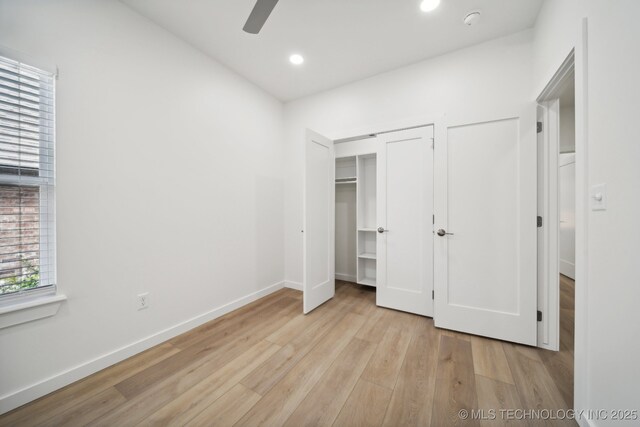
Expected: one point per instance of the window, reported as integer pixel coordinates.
(27, 180)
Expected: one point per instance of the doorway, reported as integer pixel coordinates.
(557, 225)
(557, 163)
(382, 208)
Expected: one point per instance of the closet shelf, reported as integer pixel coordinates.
(367, 255)
(367, 281)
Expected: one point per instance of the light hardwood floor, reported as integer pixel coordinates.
(348, 363)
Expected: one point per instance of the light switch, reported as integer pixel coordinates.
(598, 197)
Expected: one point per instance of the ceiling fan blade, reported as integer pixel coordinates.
(259, 15)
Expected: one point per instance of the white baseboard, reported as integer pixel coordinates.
(293, 285)
(568, 269)
(339, 276)
(585, 422)
(345, 277)
(18, 398)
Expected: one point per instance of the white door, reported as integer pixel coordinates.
(319, 221)
(405, 208)
(485, 199)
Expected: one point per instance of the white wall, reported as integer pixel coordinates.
(493, 74)
(169, 181)
(567, 128)
(346, 257)
(555, 34)
(607, 348)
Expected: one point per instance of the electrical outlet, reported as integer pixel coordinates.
(143, 301)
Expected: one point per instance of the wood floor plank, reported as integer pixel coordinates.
(323, 404)
(299, 324)
(54, 404)
(227, 410)
(494, 395)
(489, 359)
(280, 402)
(384, 366)
(262, 379)
(375, 328)
(181, 379)
(202, 350)
(87, 410)
(190, 403)
(412, 400)
(365, 299)
(365, 407)
(559, 364)
(193, 336)
(402, 320)
(330, 351)
(455, 334)
(455, 384)
(535, 386)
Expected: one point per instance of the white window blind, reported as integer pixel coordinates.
(27, 179)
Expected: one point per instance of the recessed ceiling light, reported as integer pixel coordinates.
(472, 18)
(429, 5)
(296, 59)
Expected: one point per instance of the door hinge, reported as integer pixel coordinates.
(539, 316)
(433, 294)
(433, 219)
(539, 127)
(539, 222)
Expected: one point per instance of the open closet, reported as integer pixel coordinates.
(439, 225)
(379, 212)
(356, 218)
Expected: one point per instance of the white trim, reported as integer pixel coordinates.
(376, 126)
(293, 285)
(50, 68)
(18, 398)
(345, 277)
(568, 269)
(585, 422)
(566, 159)
(562, 76)
(581, 349)
(31, 309)
(549, 279)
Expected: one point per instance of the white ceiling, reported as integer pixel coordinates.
(342, 40)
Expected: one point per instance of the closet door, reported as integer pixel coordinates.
(405, 229)
(485, 222)
(319, 221)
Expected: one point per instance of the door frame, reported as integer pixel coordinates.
(577, 60)
(549, 235)
(548, 209)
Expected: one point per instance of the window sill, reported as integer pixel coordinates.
(33, 309)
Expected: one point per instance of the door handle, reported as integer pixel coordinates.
(382, 230)
(441, 232)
